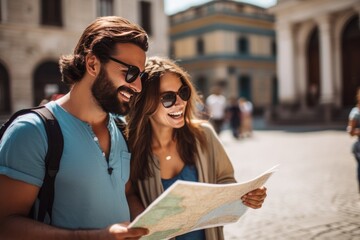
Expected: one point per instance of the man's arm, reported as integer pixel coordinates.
(351, 128)
(135, 205)
(16, 200)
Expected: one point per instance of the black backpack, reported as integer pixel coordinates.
(52, 159)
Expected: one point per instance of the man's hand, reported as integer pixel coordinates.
(255, 198)
(121, 231)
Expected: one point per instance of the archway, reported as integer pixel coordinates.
(313, 69)
(47, 81)
(5, 106)
(350, 61)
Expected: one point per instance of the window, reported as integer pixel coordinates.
(145, 14)
(105, 8)
(172, 51)
(200, 46)
(243, 45)
(273, 47)
(201, 84)
(51, 12)
(244, 86)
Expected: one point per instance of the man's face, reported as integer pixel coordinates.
(106, 94)
(110, 89)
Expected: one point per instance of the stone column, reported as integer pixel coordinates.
(327, 96)
(285, 63)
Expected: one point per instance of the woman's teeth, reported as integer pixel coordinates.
(176, 114)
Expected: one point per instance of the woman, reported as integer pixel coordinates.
(354, 130)
(168, 143)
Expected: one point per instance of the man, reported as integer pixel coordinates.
(93, 198)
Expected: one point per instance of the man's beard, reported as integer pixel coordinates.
(106, 94)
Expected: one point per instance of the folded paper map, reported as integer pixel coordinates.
(188, 206)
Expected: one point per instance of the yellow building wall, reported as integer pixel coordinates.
(223, 42)
(185, 48)
(260, 45)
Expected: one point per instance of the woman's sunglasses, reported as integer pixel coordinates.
(168, 99)
(132, 73)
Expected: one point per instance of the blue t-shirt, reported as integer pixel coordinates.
(86, 196)
(188, 173)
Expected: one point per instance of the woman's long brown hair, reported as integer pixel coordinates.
(143, 106)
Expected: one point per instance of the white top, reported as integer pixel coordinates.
(216, 105)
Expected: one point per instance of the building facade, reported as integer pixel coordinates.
(230, 44)
(318, 58)
(34, 34)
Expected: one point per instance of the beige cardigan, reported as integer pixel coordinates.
(213, 166)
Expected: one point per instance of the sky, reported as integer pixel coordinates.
(174, 6)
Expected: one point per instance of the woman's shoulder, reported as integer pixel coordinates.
(205, 126)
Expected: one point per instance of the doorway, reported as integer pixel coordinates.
(313, 72)
(350, 61)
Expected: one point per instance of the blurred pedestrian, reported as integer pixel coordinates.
(233, 115)
(353, 129)
(246, 109)
(216, 105)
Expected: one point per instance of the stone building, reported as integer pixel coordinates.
(33, 34)
(318, 43)
(227, 43)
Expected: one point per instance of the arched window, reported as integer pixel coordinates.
(47, 81)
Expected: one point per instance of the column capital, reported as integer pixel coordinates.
(323, 20)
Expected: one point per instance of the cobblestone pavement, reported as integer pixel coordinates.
(314, 193)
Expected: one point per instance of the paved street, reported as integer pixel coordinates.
(314, 193)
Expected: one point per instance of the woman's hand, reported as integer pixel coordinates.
(255, 198)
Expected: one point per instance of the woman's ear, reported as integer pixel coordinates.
(92, 64)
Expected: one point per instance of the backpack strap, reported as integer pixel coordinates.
(121, 126)
(52, 162)
(52, 158)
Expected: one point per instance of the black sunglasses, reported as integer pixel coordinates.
(132, 73)
(168, 99)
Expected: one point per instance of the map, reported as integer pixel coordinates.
(189, 206)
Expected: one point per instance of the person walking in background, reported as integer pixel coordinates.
(246, 109)
(353, 129)
(93, 198)
(169, 143)
(216, 105)
(233, 115)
